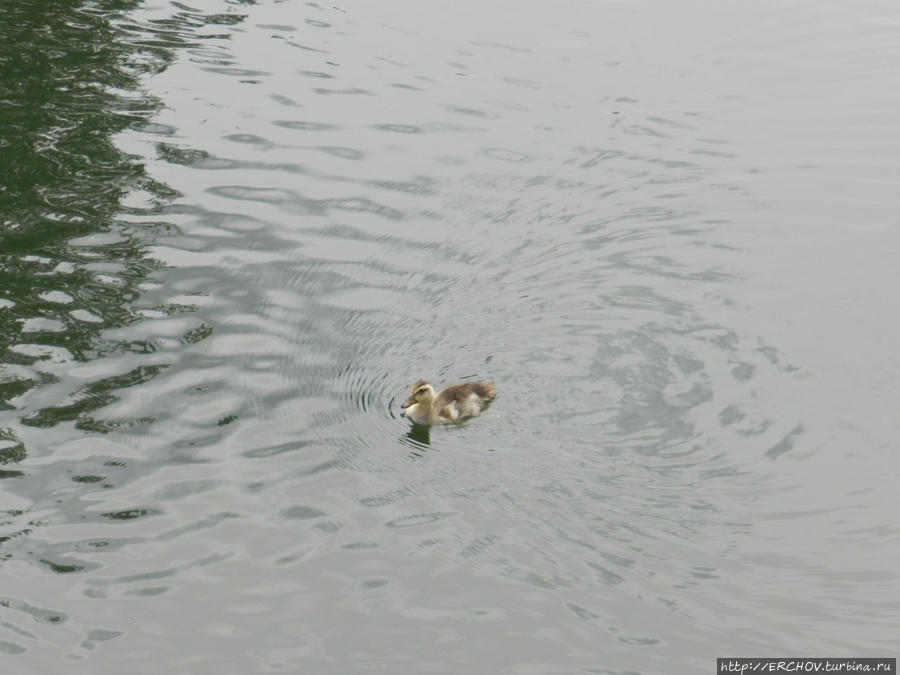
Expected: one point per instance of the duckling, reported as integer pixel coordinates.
(451, 404)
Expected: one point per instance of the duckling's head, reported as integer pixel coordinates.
(422, 392)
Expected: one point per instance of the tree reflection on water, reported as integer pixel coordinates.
(72, 241)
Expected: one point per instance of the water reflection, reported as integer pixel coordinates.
(78, 216)
(418, 438)
(70, 265)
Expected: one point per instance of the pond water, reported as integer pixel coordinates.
(232, 236)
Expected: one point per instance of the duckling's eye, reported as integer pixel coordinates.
(421, 391)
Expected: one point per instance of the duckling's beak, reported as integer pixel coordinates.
(408, 403)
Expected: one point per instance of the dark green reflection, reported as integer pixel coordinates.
(69, 264)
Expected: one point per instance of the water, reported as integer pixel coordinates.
(232, 238)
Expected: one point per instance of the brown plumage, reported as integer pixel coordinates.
(451, 404)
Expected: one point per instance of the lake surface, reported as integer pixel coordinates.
(232, 236)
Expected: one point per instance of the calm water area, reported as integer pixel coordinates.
(233, 234)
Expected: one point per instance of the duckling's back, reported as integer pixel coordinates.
(463, 391)
(464, 400)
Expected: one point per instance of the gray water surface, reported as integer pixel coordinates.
(236, 235)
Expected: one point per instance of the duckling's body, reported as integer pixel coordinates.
(450, 404)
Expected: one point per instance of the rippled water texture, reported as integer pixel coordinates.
(231, 238)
